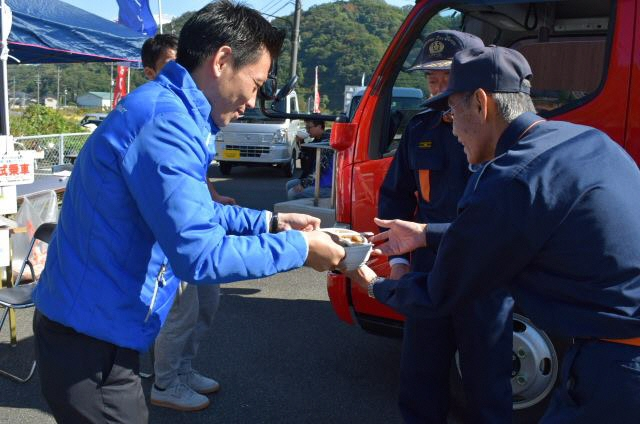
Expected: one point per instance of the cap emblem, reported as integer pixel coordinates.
(436, 47)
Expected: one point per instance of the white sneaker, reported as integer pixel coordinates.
(199, 382)
(178, 396)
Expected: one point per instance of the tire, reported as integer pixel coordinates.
(225, 168)
(290, 167)
(536, 363)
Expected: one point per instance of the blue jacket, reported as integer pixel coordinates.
(555, 217)
(426, 178)
(136, 202)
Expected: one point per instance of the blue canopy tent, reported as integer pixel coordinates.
(51, 31)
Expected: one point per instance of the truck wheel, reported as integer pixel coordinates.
(225, 168)
(536, 362)
(289, 168)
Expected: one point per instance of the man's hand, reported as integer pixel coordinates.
(362, 276)
(297, 221)
(225, 200)
(298, 188)
(398, 270)
(324, 253)
(402, 237)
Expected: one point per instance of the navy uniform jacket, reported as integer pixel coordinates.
(427, 176)
(556, 216)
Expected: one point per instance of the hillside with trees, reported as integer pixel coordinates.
(345, 39)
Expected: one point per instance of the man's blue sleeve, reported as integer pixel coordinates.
(492, 239)
(164, 171)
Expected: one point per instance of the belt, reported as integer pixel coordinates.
(631, 342)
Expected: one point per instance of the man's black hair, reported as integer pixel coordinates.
(227, 23)
(155, 46)
(315, 123)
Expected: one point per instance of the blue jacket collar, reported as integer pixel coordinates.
(510, 136)
(515, 131)
(178, 79)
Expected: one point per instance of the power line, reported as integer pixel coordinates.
(276, 4)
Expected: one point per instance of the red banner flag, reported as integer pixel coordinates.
(316, 95)
(120, 89)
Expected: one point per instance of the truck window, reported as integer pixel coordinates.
(565, 41)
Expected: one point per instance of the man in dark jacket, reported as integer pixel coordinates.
(304, 186)
(424, 183)
(551, 211)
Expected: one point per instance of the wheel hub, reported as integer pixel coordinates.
(535, 364)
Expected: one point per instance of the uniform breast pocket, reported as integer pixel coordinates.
(426, 161)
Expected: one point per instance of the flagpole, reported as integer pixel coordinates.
(160, 15)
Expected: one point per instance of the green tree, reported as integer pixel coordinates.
(38, 119)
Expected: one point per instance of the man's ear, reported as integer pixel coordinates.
(480, 103)
(221, 59)
(149, 73)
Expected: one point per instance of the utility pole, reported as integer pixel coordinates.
(160, 16)
(58, 90)
(38, 85)
(295, 37)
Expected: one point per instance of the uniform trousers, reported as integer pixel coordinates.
(599, 383)
(86, 380)
(482, 332)
(188, 322)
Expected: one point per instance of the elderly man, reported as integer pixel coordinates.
(430, 163)
(551, 211)
(137, 211)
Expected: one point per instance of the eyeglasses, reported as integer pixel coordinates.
(452, 108)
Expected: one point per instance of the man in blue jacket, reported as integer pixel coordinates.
(137, 212)
(424, 183)
(552, 212)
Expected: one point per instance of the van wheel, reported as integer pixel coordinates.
(536, 363)
(290, 167)
(225, 168)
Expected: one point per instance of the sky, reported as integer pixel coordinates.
(173, 8)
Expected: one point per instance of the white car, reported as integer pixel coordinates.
(256, 140)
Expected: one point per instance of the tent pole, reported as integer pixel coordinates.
(4, 83)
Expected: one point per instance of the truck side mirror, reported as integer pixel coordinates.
(342, 133)
(287, 89)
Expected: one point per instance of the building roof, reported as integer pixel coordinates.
(104, 95)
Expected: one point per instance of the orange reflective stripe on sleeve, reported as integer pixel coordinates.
(425, 183)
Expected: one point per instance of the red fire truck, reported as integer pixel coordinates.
(585, 56)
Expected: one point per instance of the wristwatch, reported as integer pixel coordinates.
(273, 224)
(370, 286)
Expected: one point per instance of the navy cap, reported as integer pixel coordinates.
(494, 69)
(440, 47)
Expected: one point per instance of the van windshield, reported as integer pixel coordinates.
(255, 116)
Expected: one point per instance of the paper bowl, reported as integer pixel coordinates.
(356, 247)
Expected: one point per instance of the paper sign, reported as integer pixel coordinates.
(5, 256)
(17, 167)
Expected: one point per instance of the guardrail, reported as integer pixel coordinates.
(57, 148)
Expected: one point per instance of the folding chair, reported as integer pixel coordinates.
(19, 296)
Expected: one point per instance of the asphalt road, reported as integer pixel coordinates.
(277, 349)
